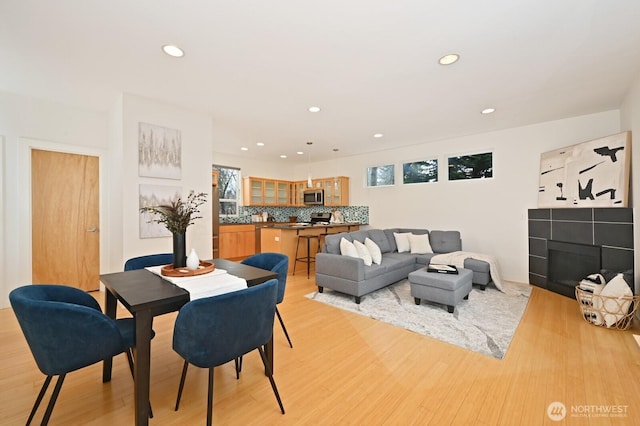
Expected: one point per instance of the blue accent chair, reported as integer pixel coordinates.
(212, 331)
(278, 263)
(66, 331)
(142, 262)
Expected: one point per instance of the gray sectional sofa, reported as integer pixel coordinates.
(351, 276)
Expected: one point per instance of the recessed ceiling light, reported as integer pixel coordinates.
(283, 156)
(378, 135)
(260, 143)
(244, 148)
(336, 149)
(299, 152)
(172, 50)
(314, 109)
(488, 111)
(449, 59)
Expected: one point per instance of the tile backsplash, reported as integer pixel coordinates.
(358, 214)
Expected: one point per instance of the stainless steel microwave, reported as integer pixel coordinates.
(313, 197)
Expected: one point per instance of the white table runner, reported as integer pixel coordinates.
(219, 281)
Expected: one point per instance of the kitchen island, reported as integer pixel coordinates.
(283, 238)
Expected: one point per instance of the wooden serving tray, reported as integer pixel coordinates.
(204, 268)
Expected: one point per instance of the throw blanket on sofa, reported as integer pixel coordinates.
(457, 258)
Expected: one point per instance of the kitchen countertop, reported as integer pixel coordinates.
(298, 226)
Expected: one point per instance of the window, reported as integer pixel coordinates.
(380, 175)
(228, 190)
(476, 166)
(420, 172)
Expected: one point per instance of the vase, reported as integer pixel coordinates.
(192, 260)
(179, 250)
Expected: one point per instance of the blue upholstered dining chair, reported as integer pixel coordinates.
(66, 331)
(212, 331)
(278, 263)
(142, 262)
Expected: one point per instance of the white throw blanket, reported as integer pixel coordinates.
(457, 258)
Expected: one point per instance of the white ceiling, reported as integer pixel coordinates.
(372, 66)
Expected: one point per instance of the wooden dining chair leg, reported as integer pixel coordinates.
(184, 376)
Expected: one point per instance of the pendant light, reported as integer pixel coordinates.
(309, 182)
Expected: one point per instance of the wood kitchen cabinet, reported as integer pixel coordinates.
(336, 190)
(237, 241)
(265, 192)
(271, 192)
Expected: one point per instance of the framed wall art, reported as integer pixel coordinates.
(155, 195)
(159, 152)
(588, 174)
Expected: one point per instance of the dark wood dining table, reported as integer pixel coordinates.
(147, 295)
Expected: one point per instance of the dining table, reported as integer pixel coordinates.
(145, 295)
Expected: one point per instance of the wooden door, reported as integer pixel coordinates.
(64, 219)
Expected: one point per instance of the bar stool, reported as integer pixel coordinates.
(308, 258)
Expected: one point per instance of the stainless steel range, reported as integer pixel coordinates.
(320, 219)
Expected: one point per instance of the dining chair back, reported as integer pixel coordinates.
(278, 263)
(66, 330)
(146, 261)
(211, 331)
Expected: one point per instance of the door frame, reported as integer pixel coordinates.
(24, 186)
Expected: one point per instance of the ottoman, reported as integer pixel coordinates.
(447, 289)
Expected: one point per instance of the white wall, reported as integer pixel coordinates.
(630, 120)
(490, 214)
(196, 133)
(27, 122)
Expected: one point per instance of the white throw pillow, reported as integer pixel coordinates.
(615, 309)
(374, 250)
(420, 244)
(363, 252)
(402, 241)
(347, 248)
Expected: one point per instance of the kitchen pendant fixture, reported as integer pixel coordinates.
(309, 181)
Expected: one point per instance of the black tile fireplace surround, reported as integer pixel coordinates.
(563, 243)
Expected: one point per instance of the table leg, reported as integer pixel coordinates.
(142, 366)
(268, 351)
(110, 303)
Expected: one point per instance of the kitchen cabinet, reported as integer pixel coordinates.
(253, 192)
(237, 241)
(281, 193)
(336, 190)
(265, 192)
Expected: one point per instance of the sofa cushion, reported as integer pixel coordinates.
(379, 237)
(374, 250)
(402, 242)
(397, 260)
(347, 248)
(363, 252)
(332, 242)
(445, 241)
(420, 244)
(358, 235)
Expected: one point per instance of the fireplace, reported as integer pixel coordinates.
(566, 245)
(568, 263)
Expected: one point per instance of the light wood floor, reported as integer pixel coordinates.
(347, 369)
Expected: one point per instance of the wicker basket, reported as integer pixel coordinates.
(609, 312)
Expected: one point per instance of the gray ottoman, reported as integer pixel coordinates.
(447, 289)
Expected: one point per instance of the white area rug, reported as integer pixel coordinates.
(484, 323)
